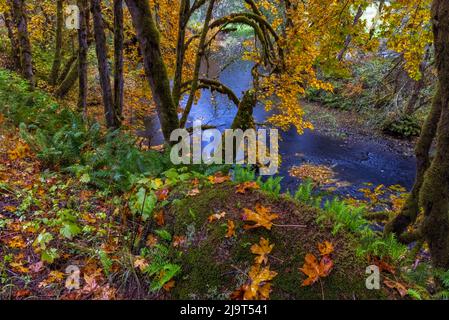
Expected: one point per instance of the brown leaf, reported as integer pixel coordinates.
(162, 194)
(159, 217)
(178, 241)
(169, 285)
(218, 179)
(396, 285)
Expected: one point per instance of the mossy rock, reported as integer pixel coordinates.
(213, 266)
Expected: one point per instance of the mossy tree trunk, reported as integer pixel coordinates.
(83, 48)
(13, 39)
(180, 49)
(244, 119)
(198, 60)
(434, 195)
(155, 69)
(24, 40)
(68, 82)
(411, 209)
(118, 59)
(103, 66)
(53, 78)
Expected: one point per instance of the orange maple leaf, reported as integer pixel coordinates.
(169, 285)
(263, 249)
(259, 288)
(261, 216)
(314, 270)
(218, 178)
(249, 185)
(325, 248)
(231, 229)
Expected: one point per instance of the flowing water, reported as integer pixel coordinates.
(354, 162)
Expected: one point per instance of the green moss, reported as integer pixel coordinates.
(213, 264)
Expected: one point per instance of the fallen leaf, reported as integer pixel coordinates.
(21, 151)
(261, 216)
(159, 217)
(382, 265)
(140, 263)
(244, 187)
(218, 179)
(193, 192)
(178, 241)
(216, 217)
(231, 229)
(257, 289)
(169, 285)
(263, 249)
(325, 248)
(162, 194)
(314, 270)
(22, 293)
(396, 285)
(36, 267)
(151, 241)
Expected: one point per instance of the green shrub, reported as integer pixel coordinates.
(406, 126)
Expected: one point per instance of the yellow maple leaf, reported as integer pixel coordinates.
(325, 248)
(261, 216)
(244, 187)
(314, 270)
(258, 288)
(263, 249)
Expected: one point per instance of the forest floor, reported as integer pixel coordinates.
(179, 235)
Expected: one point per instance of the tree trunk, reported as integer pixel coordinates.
(24, 40)
(155, 70)
(58, 50)
(348, 39)
(83, 48)
(180, 50)
(103, 66)
(199, 58)
(12, 38)
(244, 119)
(118, 59)
(411, 209)
(68, 82)
(68, 65)
(434, 195)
